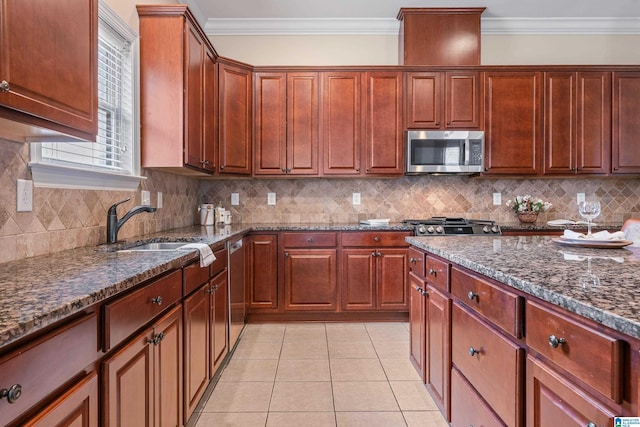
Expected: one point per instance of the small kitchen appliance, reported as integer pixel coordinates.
(444, 226)
(444, 152)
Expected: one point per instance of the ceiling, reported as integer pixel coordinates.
(379, 16)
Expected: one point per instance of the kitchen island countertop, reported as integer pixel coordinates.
(552, 272)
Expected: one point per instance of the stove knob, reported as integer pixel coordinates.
(421, 229)
(430, 229)
(485, 229)
(438, 229)
(495, 229)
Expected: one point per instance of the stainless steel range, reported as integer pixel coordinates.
(443, 226)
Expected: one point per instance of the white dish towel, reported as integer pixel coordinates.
(206, 254)
(600, 235)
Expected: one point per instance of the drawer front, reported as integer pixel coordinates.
(493, 364)
(500, 306)
(40, 367)
(194, 276)
(590, 355)
(220, 263)
(375, 238)
(437, 272)
(309, 240)
(132, 311)
(467, 408)
(416, 262)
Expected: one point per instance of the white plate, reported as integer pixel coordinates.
(601, 244)
(585, 240)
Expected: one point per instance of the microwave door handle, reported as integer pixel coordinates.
(467, 152)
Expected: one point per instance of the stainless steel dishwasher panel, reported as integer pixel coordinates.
(237, 306)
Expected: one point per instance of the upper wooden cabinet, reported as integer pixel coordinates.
(286, 123)
(439, 36)
(577, 110)
(235, 117)
(443, 100)
(177, 79)
(513, 122)
(48, 67)
(625, 153)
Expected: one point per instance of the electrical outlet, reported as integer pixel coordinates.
(356, 199)
(145, 198)
(235, 199)
(271, 199)
(24, 195)
(580, 198)
(497, 199)
(159, 202)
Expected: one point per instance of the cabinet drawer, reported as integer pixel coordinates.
(374, 238)
(220, 263)
(500, 306)
(590, 355)
(132, 311)
(467, 408)
(40, 367)
(194, 276)
(437, 272)
(416, 262)
(493, 364)
(309, 240)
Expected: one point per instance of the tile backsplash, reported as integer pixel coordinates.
(64, 219)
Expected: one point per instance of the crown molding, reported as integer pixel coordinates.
(391, 26)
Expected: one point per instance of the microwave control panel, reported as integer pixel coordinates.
(475, 152)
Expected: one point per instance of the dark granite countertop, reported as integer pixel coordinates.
(553, 272)
(544, 227)
(36, 292)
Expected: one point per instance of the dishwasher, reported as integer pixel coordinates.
(237, 305)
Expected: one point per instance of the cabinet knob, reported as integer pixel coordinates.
(437, 123)
(432, 272)
(156, 300)
(221, 167)
(310, 240)
(418, 288)
(14, 392)
(288, 170)
(555, 341)
(155, 340)
(412, 260)
(424, 292)
(373, 253)
(378, 254)
(286, 254)
(616, 168)
(591, 424)
(4, 86)
(473, 351)
(284, 170)
(472, 295)
(376, 239)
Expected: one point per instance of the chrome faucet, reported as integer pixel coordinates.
(114, 224)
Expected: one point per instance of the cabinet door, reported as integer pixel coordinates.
(219, 318)
(194, 97)
(234, 119)
(467, 408)
(462, 100)
(358, 277)
(560, 123)
(341, 125)
(196, 348)
(513, 122)
(593, 113)
(552, 400)
(210, 136)
(423, 99)
(625, 156)
(62, 39)
(168, 370)
(310, 279)
(262, 271)
(303, 123)
(270, 123)
(417, 323)
(383, 122)
(391, 279)
(438, 349)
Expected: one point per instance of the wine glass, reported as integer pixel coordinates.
(589, 210)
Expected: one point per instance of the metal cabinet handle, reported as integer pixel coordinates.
(555, 341)
(378, 254)
(473, 351)
(221, 167)
(157, 300)
(13, 393)
(425, 292)
(432, 272)
(288, 170)
(309, 240)
(373, 253)
(418, 288)
(157, 338)
(284, 170)
(412, 260)
(471, 295)
(591, 424)
(4, 86)
(376, 239)
(286, 254)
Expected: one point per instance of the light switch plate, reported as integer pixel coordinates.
(579, 198)
(159, 203)
(235, 199)
(24, 191)
(356, 199)
(497, 199)
(271, 199)
(145, 198)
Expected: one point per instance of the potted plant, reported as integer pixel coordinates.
(527, 207)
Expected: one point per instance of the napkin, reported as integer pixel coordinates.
(600, 235)
(206, 254)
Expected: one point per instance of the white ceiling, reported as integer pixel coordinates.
(379, 16)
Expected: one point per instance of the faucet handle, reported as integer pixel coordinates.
(112, 209)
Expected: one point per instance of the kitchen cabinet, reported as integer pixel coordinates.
(142, 381)
(513, 122)
(219, 320)
(467, 408)
(417, 323)
(443, 100)
(373, 271)
(61, 93)
(286, 123)
(625, 151)
(577, 122)
(437, 350)
(235, 117)
(262, 272)
(177, 91)
(384, 130)
(341, 133)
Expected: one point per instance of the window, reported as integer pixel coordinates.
(110, 162)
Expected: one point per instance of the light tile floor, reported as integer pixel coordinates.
(321, 374)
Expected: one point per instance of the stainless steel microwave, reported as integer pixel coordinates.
(435, 152)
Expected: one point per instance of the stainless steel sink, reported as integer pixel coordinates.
(156, 246)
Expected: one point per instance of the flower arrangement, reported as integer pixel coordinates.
(523, 204)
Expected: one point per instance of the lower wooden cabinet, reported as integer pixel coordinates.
(142, 382)
(218, 320)
(310, 279)
(196, 348)
(262, 271)
(417, 323)
(467, 408)
(438, 350)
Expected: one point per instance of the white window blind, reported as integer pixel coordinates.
(114, 151)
